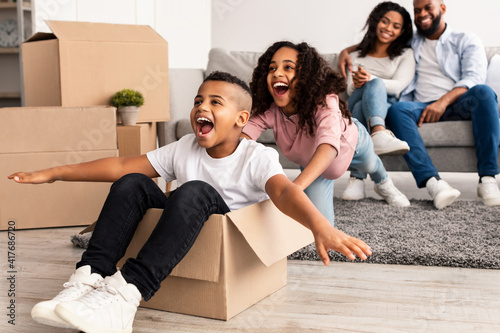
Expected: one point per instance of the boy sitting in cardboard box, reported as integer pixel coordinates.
(217, 172)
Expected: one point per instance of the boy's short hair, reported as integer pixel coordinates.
(246, 102)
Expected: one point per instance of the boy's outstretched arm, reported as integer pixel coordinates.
(103, 170)
(292, 201)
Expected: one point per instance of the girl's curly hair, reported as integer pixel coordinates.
(399, 44)
(315, 80)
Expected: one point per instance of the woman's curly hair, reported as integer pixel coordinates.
(315, 80)
(399, 44)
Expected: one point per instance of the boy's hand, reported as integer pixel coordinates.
(36, 177)
(331, 238)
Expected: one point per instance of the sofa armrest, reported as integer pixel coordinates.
(184, 84)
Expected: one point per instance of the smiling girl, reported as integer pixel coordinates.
(295, 93)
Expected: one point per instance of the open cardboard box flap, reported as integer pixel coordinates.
(100, 32)
(271, 234)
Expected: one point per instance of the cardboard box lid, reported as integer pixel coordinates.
(54, 129)
(99, 32)
(270, 233)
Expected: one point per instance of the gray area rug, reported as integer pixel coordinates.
(465, 234)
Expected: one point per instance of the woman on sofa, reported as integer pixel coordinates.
(383, 65)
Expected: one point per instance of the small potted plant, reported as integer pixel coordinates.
(127, 102)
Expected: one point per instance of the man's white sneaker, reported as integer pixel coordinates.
(385, 143)
(110, 308)
(488, 192)
(355, 189)
(441, 192)
(391, 194)
(79, 284)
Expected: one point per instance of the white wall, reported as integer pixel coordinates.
(185, 24)
(329, 25)
(192, 27)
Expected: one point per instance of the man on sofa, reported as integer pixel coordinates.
(448, 85)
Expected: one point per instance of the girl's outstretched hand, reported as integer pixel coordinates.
(36, 177)
(329, 237)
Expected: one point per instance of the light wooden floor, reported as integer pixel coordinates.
(343, 297)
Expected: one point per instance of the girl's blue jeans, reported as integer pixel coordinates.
(478, 104)
(369, 104)
(185, 211)
(320, 192)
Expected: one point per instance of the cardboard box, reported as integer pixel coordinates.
(237, 260)
(84, 64)
(39, 138)
(136, 140)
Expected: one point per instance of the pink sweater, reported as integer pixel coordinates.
(298, 146)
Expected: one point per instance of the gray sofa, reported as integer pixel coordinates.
(450, 144)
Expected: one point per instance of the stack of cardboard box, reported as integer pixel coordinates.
(43, 137)
(84, 64)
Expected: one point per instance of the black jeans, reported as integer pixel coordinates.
(185, 211)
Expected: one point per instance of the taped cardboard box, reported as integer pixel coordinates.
(84, 64)
(40, 138)
(137, 139)
(237, 260)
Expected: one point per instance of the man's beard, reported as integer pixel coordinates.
(432, 29)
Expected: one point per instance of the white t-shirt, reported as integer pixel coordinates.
(431, 83)
(239, 178)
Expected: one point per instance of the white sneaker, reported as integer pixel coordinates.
(391, 194)
(488, 192)
(79, 284)
(441, 192)
(355, 189)
(385, 143)
(110, 308)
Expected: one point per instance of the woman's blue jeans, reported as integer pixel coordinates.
(478, 104)
(369, 105)
(320, 192)
(185, 211)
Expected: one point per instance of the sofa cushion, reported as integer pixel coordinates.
(242, 64)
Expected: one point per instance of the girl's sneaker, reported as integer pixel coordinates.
(355, 189)
(79, 284)
(391, 194)
(111, 307)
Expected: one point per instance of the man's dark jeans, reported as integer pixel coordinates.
(185, 211)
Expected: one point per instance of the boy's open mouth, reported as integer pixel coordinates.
(280, 88)
(204, 126)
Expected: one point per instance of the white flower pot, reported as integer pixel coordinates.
(128, 114)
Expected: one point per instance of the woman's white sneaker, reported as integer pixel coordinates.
(441, 192)
(385, 143)
(79, 284)
(355, 189)
(391, 194)
(488, 192)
